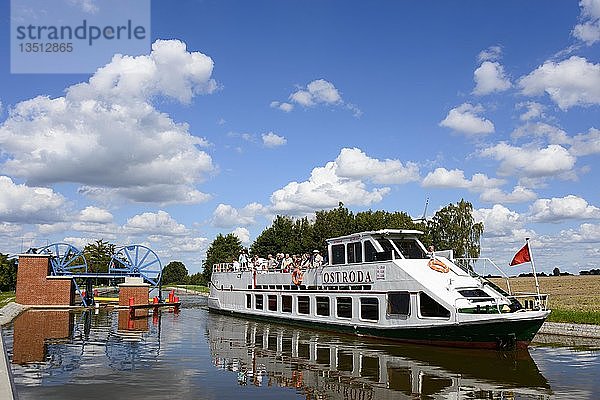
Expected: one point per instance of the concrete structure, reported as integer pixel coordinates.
(35, 285)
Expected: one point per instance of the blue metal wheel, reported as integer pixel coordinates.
(137, 260)
(65, 258)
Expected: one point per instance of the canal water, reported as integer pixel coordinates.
(198, 355)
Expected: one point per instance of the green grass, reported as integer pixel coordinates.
(197, 288)
(575, 317)
(6, 297)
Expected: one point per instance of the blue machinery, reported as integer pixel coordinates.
(128, 261)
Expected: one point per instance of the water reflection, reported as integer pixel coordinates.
(319, 365)
(52, 343)
(197, 355)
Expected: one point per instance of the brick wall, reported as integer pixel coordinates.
(35, 287)
(139, 292)
(31, 330)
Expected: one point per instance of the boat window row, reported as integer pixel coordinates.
(398, 305)
(365, 251)
(310, 287)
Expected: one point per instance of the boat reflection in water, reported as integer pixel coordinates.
(324, 366)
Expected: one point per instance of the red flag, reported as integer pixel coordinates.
(522, 256)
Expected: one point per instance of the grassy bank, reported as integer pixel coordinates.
(196, 288)
(6, 297)
(572, 299)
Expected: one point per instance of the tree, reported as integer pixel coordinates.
(196, 279)
(98, 255)
(223, 249)
(174, 272)
(8, 273)
(556, 271)
(333, 223)
(453, 227)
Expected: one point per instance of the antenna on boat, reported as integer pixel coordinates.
(424, 217)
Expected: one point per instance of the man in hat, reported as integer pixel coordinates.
(317, 259)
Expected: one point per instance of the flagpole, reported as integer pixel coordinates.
(537, 285)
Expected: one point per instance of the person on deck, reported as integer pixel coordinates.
(317, 259)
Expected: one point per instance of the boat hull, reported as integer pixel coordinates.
(493, 334)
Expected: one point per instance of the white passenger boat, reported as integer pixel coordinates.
(384, 284)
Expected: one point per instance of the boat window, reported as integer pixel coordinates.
(369, 308)
(370, 252)
(338, 255)
(431, 308)
(248, 301)
(259, 302)
(303, 305)
(398, 304)
(354, 252)
(286, 304)
(473, 293)
(323, 306)
(344, 307)
(388, 252)
(410, 248)
(272, 302)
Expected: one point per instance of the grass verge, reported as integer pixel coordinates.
(197, 288)
(575, 317)
(6, 297)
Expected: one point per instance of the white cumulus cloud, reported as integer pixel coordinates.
(585, 144)
(95, 214)
(498, 220)
(489, 78)
(227, 216)
(354, 163)
(243, 234)
(106, 135)
(563, 208)
(30, 205)
(519, 194)
(317, 92)
(271, 139)
(159, 223)
(455, 178)
(588, 30)
(466, 119)
(531, 162)
(572, 82)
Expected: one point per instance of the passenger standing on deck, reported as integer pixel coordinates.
(243, 259)
(317, 259)
(288, 263)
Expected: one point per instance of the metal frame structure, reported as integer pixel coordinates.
(132, 260)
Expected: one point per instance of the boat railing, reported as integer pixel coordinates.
(223, 267)
(496, 305)
(531, 301)
(473, 305)
(466, 264)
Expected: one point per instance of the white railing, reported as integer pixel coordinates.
(528, 301)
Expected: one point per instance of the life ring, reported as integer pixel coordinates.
(297, 276)
(438, 266)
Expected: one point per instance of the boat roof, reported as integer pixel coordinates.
(381, 232)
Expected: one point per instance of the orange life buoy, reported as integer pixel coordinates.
(438, 266)
(297, 276)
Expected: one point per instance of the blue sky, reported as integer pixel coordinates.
(244, 110)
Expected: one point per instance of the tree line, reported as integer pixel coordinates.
(452, 227)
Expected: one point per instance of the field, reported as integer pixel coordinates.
(571, 298)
